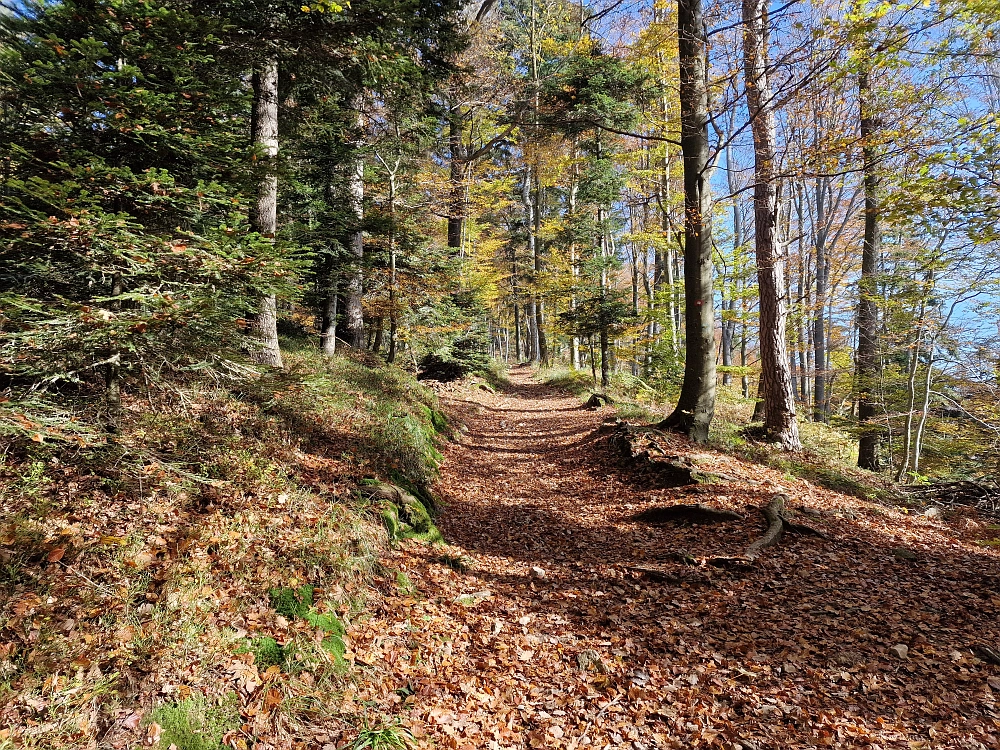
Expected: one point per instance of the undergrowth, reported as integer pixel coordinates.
(828, 457)
(215, 541)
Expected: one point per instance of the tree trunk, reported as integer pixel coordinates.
(574, 342)
(379, 335)
(456, 207)
(393, 312)
(867, 358)
(696, 405)
(328, 330)
(541, 345)
(354, 323)
(728, 298)
(820, 411)
(112, 370)
(593, 359)
(911, 386)
(531, 316)
(918, 439)
(779, 395)
(605, 357)
(264, 212)
(758, 404)
(517, 331)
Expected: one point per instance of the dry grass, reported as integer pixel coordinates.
(135, 577)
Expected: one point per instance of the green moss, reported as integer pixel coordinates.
(419, 490)
(417, 522)
(404, 584)
(390, 518)
(413, 513)
(195, 724)
(291, 603)
(328, 623)
(410, 520)
(439, 421)
(266, 651)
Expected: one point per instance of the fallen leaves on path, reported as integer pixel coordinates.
(550, 635)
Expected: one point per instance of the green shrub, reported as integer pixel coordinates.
(386, 737)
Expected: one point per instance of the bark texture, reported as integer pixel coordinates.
(870, 439)
(264, 212)
(696, 405)
(354, 321)
(779, 393)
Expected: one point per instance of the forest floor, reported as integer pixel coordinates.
(533, 628)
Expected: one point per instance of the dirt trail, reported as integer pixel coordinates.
(489, 653)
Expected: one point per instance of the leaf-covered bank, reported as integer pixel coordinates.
(191, 580)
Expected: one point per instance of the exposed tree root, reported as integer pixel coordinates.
(663, 576)
(987, 654)
(777, 525)
(597, 400)
(698, 514)
(639, 445)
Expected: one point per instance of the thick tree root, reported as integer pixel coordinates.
(697, 514)
(777, 525)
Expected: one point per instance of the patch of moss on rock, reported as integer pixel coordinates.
(419, 490)
(404, 516)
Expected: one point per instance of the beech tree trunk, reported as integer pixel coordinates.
(354, 321)
(696, 405)
(820, 411)
(867, 360)
(264, 212)
(515, 299)
(541, 345)
(779, 393)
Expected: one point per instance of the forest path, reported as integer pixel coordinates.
(795, 652)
